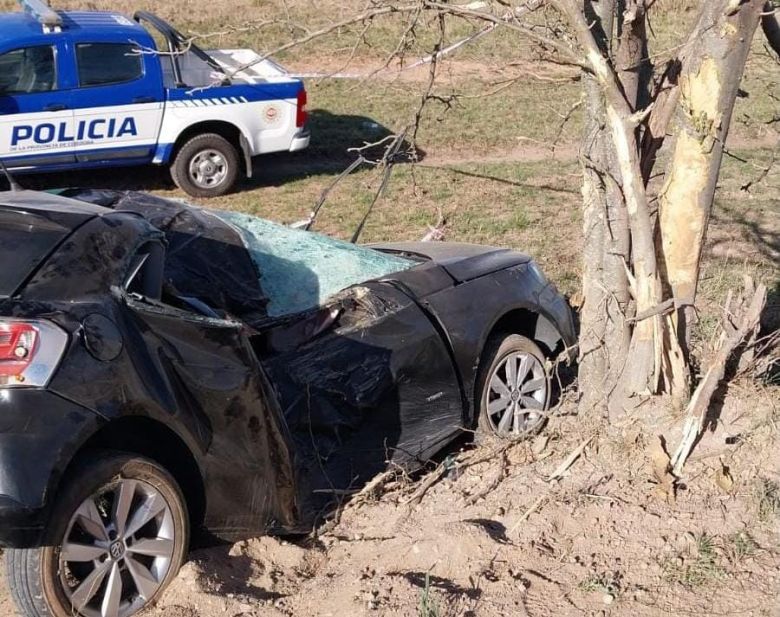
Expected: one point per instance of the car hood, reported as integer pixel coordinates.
(463, 262)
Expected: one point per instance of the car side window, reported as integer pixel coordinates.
(145, 274)
(101, 64)
(28, 70)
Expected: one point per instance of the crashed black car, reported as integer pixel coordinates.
(165, 368)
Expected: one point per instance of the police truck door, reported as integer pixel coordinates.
(36, 121)
(119, 102)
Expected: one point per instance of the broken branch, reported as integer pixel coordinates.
(745, 319)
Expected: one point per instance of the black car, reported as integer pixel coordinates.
(165, 368)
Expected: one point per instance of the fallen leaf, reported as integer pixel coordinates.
(724, 479)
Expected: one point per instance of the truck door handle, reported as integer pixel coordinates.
(55, 107)
(143, 99)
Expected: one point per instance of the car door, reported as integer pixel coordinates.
(200, 375)
(118, 102)
(36, 121)
(377, 385)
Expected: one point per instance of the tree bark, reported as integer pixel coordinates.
(605, 333)
(771, 24)
(655, 355)
(708, 88)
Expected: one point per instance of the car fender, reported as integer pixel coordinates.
(471, 311)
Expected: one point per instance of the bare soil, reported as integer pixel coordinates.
(497, 538)
(605, 539)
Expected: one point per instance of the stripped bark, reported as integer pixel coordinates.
(655, 354)
(708, 90)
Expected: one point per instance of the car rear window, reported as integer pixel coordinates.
(25, 241)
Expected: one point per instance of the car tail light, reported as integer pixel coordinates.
(29, 352)
(302, 116)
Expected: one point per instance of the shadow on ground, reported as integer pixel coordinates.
(329, 154)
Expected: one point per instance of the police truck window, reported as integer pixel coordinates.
(28, 70)
(101, 64)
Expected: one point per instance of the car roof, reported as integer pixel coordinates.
(37, 201)
(25, 29)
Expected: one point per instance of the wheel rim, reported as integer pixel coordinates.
(208, 169)
(117, 550)
(516, 395)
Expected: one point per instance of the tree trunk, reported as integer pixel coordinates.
(605, 333)
(654, 353)
(708, 87)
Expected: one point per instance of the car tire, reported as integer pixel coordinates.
(206, 166)
(515, 412)
(51, 581)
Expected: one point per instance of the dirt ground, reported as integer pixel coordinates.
(496, 538)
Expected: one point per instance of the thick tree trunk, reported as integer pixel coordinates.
(605, 333)
(654, 353)
(708, 88)
(593, 320)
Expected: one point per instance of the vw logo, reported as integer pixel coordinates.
(117, 550)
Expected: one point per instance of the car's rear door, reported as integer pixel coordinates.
(36, 119)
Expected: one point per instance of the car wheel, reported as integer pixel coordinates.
(118, 535)
(206, 166)
(514, 388)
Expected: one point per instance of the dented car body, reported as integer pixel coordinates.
(263, 377)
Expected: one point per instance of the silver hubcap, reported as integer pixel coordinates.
(117, 551)
(208, 169)
(516, 395)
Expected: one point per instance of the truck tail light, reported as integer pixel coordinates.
(302, 116)
(29, 352)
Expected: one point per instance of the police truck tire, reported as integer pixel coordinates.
(206, 166)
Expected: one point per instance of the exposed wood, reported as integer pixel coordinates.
(666, 97)
(708, 89)
(654, 352)
(740, 320)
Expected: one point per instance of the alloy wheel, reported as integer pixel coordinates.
(117, 550)
(516, 395)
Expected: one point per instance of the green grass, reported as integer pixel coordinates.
(349, 113)
(699, 567)
(428, 606)
(766, 494)
(741, 546)
(604, 582)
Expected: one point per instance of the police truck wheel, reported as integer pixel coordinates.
(206, 166)
(118, 535)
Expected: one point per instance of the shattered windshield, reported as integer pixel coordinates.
(299, 269)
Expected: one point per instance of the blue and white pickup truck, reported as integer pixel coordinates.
(93, 89)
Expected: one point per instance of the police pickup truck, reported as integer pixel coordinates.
(93, 89)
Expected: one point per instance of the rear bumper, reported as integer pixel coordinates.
(301, 141)
(20, 527)
(40, 433)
